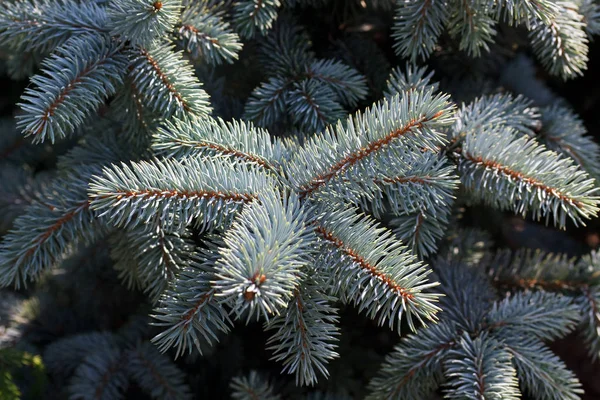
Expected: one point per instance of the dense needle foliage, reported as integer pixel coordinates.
(294, 199)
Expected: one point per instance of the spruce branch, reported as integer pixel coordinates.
(563, 131)
(150, 257)
(142, 22)
(472, 24)
(418, 26)
(372, 268)
(561, 45)
(188, 308)
(524, 11)
(521, 315)
(349, 86)
(408, 79)
(590, 11)
(48, 230)
(19, 189)
(402, 120)
(251, 387)
(40, 26)
(239, 140)
(76, 80)
(254, 16)
(268, 102)
(207, 37)
(304, 338)
(414, 368)
(175, 191)
(589, 306)
(541, 373)
(101, 375)
(63, 356)
(285, 50)
(264, 255)
(156, 374)
(495, 111)
(312, 106)
(137, 119)
(167, 83)
(481, 369)
(467, 297)
(526, 178)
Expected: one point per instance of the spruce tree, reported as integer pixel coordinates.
(262, 162)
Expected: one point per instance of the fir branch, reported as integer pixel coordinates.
(481, 369)
(167, 82)
(372, 268)
(526, 178)
(264, 255)
(252, 387)
(561, 44)
(237, 139)
(142, 22)
(189, 309)
(175, 191)
(156, 374)
(39, 26)
(396, 122)
(417, 27)
(207, 37)
(305, 334)
(541, 373)
(254, 16)
(77, 79)
(413, 370)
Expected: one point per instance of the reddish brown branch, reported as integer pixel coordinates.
(146, 193)
(51, 108)
(44, 236)
(201, 35)
(411, 372)
(106, 377)
(364, 264)
(165, 79)
(157, 376)
(361, 154)
(516, 175)
(187, 317)
(225, 150)
(403, 179)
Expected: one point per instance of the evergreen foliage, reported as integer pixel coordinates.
(338, 185)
